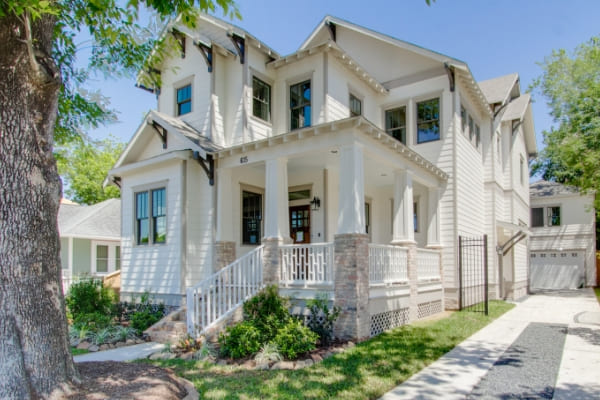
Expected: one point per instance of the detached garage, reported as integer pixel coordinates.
(557, 270)
(563, 237)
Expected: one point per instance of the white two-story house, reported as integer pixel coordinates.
(349, 167)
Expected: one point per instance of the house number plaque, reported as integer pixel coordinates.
(243, 160)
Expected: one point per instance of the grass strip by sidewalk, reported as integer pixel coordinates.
(597, 291)
(365, 371)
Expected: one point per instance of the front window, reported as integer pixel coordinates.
(537, 217)
(428, 120)
(261, 99)
(101, 259)
(416, 216)
(300, 105)
(355, 106)
(251, 217)
(553, 216)
(395, 123)
(151, 226)
(184, 100)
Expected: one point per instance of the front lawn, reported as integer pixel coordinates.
(366, 371)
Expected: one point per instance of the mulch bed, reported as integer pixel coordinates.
(117, 380)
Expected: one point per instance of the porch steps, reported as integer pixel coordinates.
(170, 329)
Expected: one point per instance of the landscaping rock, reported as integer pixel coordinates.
(130, 342)
(308, 362)
(120, 344)
(104, 347)
(262, 367)
(338, 350)
(75, 342)
(84, 345)
(93, 348)
(283, 365)
(187, 356)
(327, 354)
(250, 364)
(349, 345)
(139, 341)
(299, 364)
(316, 358)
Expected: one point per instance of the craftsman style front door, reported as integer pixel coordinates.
(300, 224)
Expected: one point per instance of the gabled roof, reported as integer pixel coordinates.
(516, 109)
(174, 126)
(497, 90)
(98, 221)
(544, 188)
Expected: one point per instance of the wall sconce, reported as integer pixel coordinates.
(316, 203)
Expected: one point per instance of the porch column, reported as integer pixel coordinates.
(403, 230)
(277, 229)
(351, 277)
(433, 214)
(224, 244)
(403, 233)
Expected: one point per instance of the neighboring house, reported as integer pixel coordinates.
(562, 248)
(348, 166)
(90, 239)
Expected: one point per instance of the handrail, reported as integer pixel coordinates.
(217, 296)
(307, 264)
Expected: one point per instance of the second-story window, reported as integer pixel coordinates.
(395, 123)
(428, 120)
(553, 216)
(355, 106)
(184, 100)
(300, 105)
(261, 99)
(537, 217)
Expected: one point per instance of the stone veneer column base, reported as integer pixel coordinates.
(271, 268)
(224, 254)
(351, 286)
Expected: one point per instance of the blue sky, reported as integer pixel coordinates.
(495, 37)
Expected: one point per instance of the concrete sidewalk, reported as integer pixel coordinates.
(127, 353)
(456, 374)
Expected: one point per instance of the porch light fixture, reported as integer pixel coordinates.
(316, 203)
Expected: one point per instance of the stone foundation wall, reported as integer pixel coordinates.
(271, 264)
(224, 254)
(351, 286)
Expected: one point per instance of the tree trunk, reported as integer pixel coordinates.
(35, 361)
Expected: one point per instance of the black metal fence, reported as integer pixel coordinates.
(473, 274)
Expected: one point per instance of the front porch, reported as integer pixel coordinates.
(342, 209)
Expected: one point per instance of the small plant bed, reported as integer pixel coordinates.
(364, 371)
(97, 321)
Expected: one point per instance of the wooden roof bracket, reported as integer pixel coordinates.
(514, 126)
(332, 30)
(207, 53)
(240, 45)
(180, 37)
(450, 71)
(117, 181)
(162, 133)
(207, 165)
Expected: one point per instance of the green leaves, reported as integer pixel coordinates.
(571, 86)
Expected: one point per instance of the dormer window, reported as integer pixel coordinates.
(261, 99)
(395, 123)
(300, 105)
(184, 100)
(428, 120)
(355, 106)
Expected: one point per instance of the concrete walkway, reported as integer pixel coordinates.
(456, 374)
(127, 353)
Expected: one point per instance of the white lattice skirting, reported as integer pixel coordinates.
(388, 320)
(429, 308)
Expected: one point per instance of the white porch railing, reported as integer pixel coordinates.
(307, 264)
(387, 264)
(428, 264)
(221, 293)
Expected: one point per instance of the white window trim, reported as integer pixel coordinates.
(439, 95)
(309, 76)
(271, 83)
(149, 188)
(112, 259)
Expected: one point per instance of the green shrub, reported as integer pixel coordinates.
(90, 297)
(295, 339)
(322, 318)
(146, 314)
(240, 340)
(268, 312)
(92, 322)
(102, 336)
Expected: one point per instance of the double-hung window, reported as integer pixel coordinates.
(184, 100)
(261, 99)
(106, 257)
(251, 217)
(537, 217)
(355, 106)
(395, 123)
(553, 216)
(300, 105)
(151, 216)
(428, 120)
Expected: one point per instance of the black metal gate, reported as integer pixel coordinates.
(473, 274)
